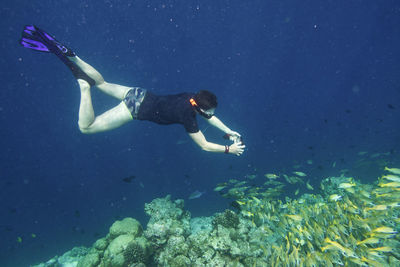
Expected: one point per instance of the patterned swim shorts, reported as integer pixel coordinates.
(133, 99)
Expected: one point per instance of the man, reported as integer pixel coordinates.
(136, 103)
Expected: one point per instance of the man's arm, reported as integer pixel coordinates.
(200, 140)
(214, 121)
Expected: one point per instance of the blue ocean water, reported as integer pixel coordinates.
(305, 80)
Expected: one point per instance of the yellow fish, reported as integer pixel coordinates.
(377, 207)
(296, 192)
(334, 197)
(343, 250)
(295, 217)
(391, 184)
(346, 185)
(371, 240)
(393, 178)
(371, 262)
(384, 230)
(382, 249)
(301, 174)
(393, 170)
(271, 176)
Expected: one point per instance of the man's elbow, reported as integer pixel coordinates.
(205, 147)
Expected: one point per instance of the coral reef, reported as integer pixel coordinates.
(348, 223)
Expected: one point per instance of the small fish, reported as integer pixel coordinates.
(334, 197)
(392, 178)
(271, 176)
(77, 214)
(394, 204)
(251, 176)
(370, 241)
(181, 142)
(345, 251)
(391, 184)
(329, 247)
(241, 183)
(296, 192)
(241, 203)
(334, 164)
(382, 249)
(377, 207)
(309, 187)
(393, 170)
(301, 174)
(309, 162)
(19, 239)
(346, 185)
(294, 217)
(384, 230)
(196, 194)
(219, 188)
(129, 179)
(362, 153)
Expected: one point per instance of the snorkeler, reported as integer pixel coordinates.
(136, 103)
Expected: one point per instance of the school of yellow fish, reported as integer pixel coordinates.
(348, 223)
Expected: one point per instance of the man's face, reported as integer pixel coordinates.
(209, 112)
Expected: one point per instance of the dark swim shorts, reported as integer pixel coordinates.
(133, 99)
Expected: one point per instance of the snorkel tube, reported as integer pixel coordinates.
(199, 110)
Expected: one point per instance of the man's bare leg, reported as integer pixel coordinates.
(109, 120)
(114, 90)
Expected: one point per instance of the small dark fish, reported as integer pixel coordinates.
(325, 120)
(12, 210)
(348, 111)
(78, 229)
(391, 106)
(7, 228)
(77, 214)
(129, 179)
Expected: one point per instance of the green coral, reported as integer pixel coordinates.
(126, 226)
(180, 261)
(228, 219)
(135, 252)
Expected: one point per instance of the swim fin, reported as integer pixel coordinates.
(39, 40)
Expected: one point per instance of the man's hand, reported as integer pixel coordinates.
(233, 133)
(236, 148)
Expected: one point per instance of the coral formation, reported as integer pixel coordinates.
(228, 219)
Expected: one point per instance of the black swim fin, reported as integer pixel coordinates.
(39, 40)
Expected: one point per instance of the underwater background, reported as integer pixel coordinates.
(308, 83)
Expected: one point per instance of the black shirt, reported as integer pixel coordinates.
(169, 109)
